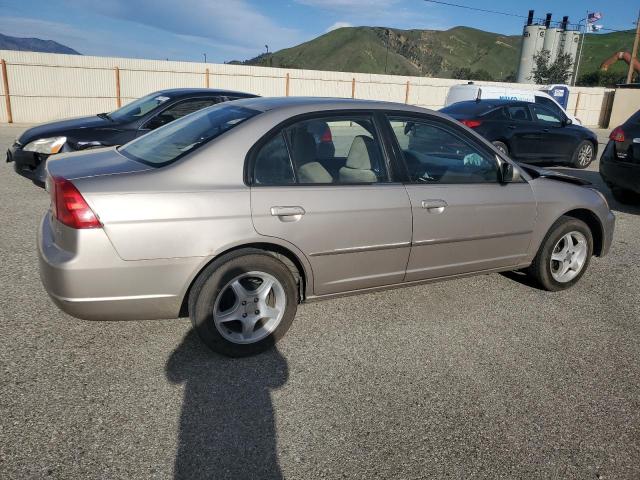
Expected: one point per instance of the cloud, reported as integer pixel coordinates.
(235, 25)
(351, 6)
(339, 25)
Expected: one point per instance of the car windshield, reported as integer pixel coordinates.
(139, 108)
(180, 137)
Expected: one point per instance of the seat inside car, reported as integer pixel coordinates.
(359, 160)
(303, 148)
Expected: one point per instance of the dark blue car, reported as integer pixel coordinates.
(528, 132)
(30, 151)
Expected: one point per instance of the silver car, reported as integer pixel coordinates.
(233, 215)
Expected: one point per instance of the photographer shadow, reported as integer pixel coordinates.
(227, 425)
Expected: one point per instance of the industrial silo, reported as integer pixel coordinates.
(532, 44)
(551, 38)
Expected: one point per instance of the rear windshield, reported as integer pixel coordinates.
(180, 137)
(468, 108)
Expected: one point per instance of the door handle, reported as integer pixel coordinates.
(513, 127)
(434, 206)
(287, 214)
(546, 130)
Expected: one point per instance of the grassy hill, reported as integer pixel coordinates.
(427, 52)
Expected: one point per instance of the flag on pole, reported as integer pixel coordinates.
(594, 17)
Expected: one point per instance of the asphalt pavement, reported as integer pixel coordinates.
(484, 377)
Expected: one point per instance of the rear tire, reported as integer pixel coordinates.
(583, 154)
(243, 303)
(501, 146)
(554, 256)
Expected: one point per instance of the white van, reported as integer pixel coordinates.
(471, 91)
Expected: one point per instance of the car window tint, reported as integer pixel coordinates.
(497, 114)
(343, 150)
(545, 115)
(550, 104)
(436, 154)
(518, 112)
(179, 110)
(171, 142)
(272, 164)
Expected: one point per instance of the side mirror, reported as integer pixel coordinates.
(506, 172)
(567, 121)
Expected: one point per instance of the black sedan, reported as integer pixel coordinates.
(528, 132)
(620, 162)
(30, 151)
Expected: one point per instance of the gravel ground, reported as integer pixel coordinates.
(479, 377)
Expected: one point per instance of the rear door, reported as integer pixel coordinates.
(464, 220)
(338, 205)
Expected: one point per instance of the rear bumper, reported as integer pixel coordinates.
(618, 173)
(88, 280)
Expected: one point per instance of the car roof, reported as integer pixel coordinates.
(265, 104)
(178, 92)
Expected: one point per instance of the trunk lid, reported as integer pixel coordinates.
(92, 163)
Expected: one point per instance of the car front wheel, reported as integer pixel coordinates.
(501, 146)
(563, 256)
(583, 155)
(243, 303)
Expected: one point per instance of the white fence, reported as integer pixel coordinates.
(44, 86)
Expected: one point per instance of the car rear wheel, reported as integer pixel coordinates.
(583, 155)
(563, 256)
(243, 303)
(501, 146)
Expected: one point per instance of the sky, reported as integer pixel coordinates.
(239, 29)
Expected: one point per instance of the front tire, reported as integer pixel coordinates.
(243, 303)
(563, 256)
(501, 146)
(583, 154)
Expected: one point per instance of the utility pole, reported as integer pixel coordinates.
(205, 57)
(584, 34)
(634, 52)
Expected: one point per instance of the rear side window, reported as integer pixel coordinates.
(175, 140)
(327, 150)
(497, 114)
(519, 112)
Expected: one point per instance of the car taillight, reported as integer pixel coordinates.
(69, 206)
(617, 135)
(472, 123)
(326, 136)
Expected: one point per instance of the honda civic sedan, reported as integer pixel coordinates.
(233, 216)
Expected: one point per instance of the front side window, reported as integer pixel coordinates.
(436, 154)
(550, 104)
(171, 142)
(328, 150)
(544, 115)
(179, 110)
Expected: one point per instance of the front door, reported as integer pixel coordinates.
(557, 140)
(464, 219)
(331, 197)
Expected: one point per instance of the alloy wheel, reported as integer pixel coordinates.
(568, 257)
(249, 307)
